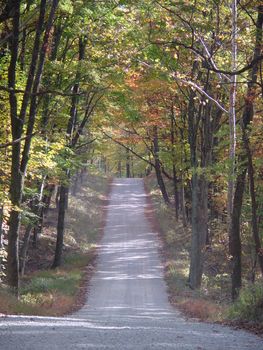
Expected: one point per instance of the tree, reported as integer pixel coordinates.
(247, 117)
(20, 156)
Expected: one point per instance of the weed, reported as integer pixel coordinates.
(201, 309)
(7, 300)
(56, 292)
(67, 283)
(249, 305)
(78, 260)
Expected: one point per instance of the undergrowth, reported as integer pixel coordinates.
(209, 302)
(249, 305)
(48, 292)
(212, 302)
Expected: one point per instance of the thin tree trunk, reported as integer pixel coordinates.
(158, 169)
(175, 179)
(247, 117)
(17, 169)
(16, 180)
(57, 196)
(196, 261)
(33, 105)
(199, 229)
(195, 271)
(234, 239)
(34, 60)
(232, 115)
(128, 168)
(176, 194)
(182, 202)
(64, 188)
(203, 121)
(24, 250)
(1, 235)
(75, 181)
(119, 169)
(38, 210)
(43, 210)
(253, 202)
(60, 226)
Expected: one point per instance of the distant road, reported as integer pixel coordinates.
(127, 306)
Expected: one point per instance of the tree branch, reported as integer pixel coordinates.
(42, 92)
(194, 85)
(129, 149)
(11, 143)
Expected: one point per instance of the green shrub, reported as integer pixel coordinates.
(249, 305)
(78, 260)
(65, 283)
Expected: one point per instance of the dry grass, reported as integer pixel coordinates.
(207, 303)
(201, 309)
(212, 302)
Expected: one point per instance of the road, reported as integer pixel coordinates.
(127, 306)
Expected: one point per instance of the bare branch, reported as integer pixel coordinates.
(44, 92)
(129, 149)
(11, 143)
(207, 61)
(85, 143)
(198, 88)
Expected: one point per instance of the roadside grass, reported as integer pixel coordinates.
(47, 292)
(249, 305)
(210, 302)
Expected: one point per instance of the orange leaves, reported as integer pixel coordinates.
(152, 96)
(130, 139)
(132, 80)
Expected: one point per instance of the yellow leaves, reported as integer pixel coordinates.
(43, 157)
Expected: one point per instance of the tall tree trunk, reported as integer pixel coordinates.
(24, 250)
(247, 117)
(1, 236)
(38, 210)
(34, 60)
(60, 226)
(36, 207)
(199, 229)
(176, 193)
(64, 188)
(47, 194)
(158, 169)
(36, 84)
(196, 263)
(175, 178)
(202, 122)
(47, 98)
(128, 166)
(255, 230)
(232, 115)
(182, 202)
(119, 169)
(16, 180)
(18, 169)
(234, 239)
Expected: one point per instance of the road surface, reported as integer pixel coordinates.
(127, 306)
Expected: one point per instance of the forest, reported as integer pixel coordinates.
(168, 90)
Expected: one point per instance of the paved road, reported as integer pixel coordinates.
(127, 307)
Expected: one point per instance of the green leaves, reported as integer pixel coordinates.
(66, 6)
